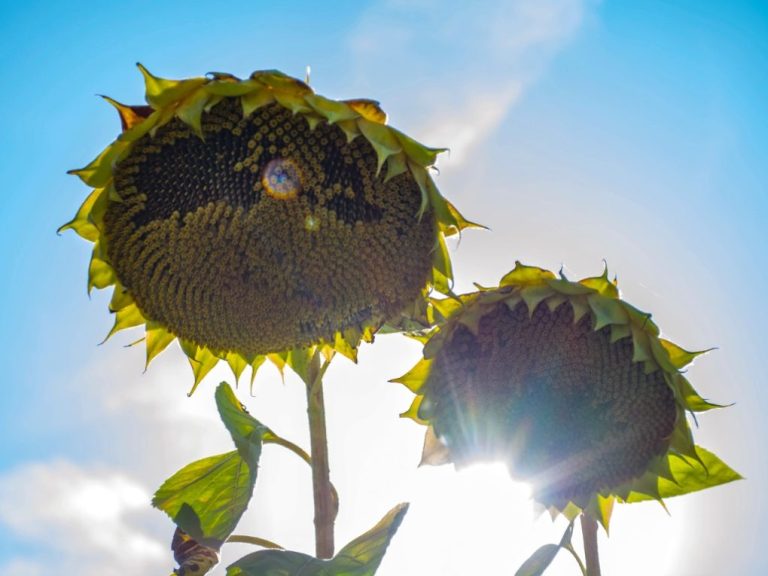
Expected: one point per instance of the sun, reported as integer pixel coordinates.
(481, 508)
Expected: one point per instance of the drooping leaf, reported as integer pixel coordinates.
(540, 560)
(207, 498)
(361, 557)
(247, 432)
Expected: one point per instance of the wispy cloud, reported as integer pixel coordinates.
(462, 65)
(89, 518)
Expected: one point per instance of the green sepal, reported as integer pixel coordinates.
(606, 311)
(98, 173)
(368, 109)
(416, 151)
(601, 508)
(293, 102)
(361, 557)
(442, 272)
(459, 222)
(128, 114)
(523, 275)
(681, 440)
(641, 347)
(161, 92)
(534, 295)
(128, 317)
(281, 82)
(446, 307)
(332, 110)
(299, 360)
(580, 307)
(641, 319)
(120, 298)
(691, 475)
(602, 284)
(396, 164)
(230, 88)
(620, 331)
(82, 223)
(414, 379)
(255, 365)
(382, 139)
(554, 302)
(256, 99)
(680, 357)
(201, 360)
(158, 339)
(343, 347)
(350, 129)
(691, 399)
(569, 288)
(100, 273)
(413, 411)
(236, 363)
(191, 111)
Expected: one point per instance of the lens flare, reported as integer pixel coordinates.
(281, 179)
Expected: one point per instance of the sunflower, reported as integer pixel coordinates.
(570, 386)
(246, 218)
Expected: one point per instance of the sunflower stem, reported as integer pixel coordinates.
(325, 503)
(589, 534)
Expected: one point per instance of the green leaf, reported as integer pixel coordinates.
(361, 557)
(207, 498)
(540, 560)
(247, 432)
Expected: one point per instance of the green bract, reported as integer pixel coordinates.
(569, 385)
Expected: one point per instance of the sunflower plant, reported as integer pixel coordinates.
(253, 220)
(572, 388)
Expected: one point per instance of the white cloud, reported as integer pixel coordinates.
(462, 65)
(21, 567)
(86, 517)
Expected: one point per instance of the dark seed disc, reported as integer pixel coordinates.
(265, 235)
(562, 405)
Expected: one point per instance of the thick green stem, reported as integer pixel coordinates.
(325, 503)
(589, 534)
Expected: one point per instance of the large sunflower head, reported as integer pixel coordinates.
(570, 386)
(250, 217)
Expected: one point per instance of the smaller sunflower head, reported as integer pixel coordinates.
(251, 217)
(570, 386)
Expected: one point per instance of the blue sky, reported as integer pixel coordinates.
(634, 132)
